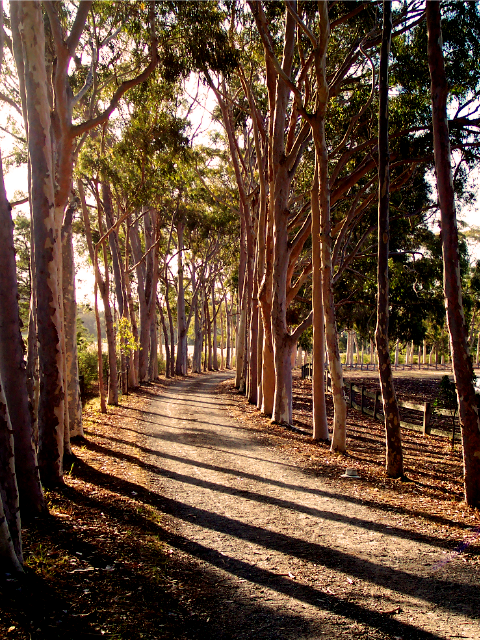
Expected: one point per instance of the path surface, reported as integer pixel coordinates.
(289, 555)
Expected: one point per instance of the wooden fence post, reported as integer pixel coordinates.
(427, 414)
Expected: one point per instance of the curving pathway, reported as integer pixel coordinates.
(287, 554)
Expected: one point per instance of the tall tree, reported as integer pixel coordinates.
(28, 29)
(13, 377)
(16, 438)
(462, 363)
(394, 457)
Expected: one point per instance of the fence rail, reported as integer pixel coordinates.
(425, 410)
(359, 394)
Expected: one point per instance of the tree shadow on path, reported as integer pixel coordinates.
(438, 593)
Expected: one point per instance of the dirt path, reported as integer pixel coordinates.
(284, 553)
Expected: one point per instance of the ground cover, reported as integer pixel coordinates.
(435, 490)
(107, 562)
(100, 565)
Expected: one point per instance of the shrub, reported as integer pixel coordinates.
(88, 365)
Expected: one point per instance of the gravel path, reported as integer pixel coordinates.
(285, 553)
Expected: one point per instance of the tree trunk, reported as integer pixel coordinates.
(13, 377)
(462, 364)
(228, 358)
(317, 124)
(335, 365)
(205, 330)
(143, 279)
(394, 456)
(10, 529)
(240, 352)
(132, 361)
(33, 384)
(73, 399)
(152, 231)
(99, 284)
(181, 366)
(265, 300)
(282, 402)
(104, 286)
(214, 330)
(47, 249)
(268, 364)
(114, 250)
(167, 347)
(197, 324)
(260, 339)
(222, 337)
(8, 480)
(198, 328)
(170, 327)
(320, 425)
(282, 410)
(153, 362)
(208, 331)
(253, 345)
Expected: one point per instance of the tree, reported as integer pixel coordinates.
(17, 453)
(462, 364)
(394, 457)
(46, 245)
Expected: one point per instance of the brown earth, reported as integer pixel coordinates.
(188, 515)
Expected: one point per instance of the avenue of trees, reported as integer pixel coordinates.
(310, 209)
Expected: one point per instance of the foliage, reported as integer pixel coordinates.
(21, 238)
(447, 394)
(306, 340)
(127, 344)
(88, 356)
(88, 365)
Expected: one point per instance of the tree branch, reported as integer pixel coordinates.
(11, 102)
(80, 129)
(301, 327)
(78, 26)
(301, 24)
